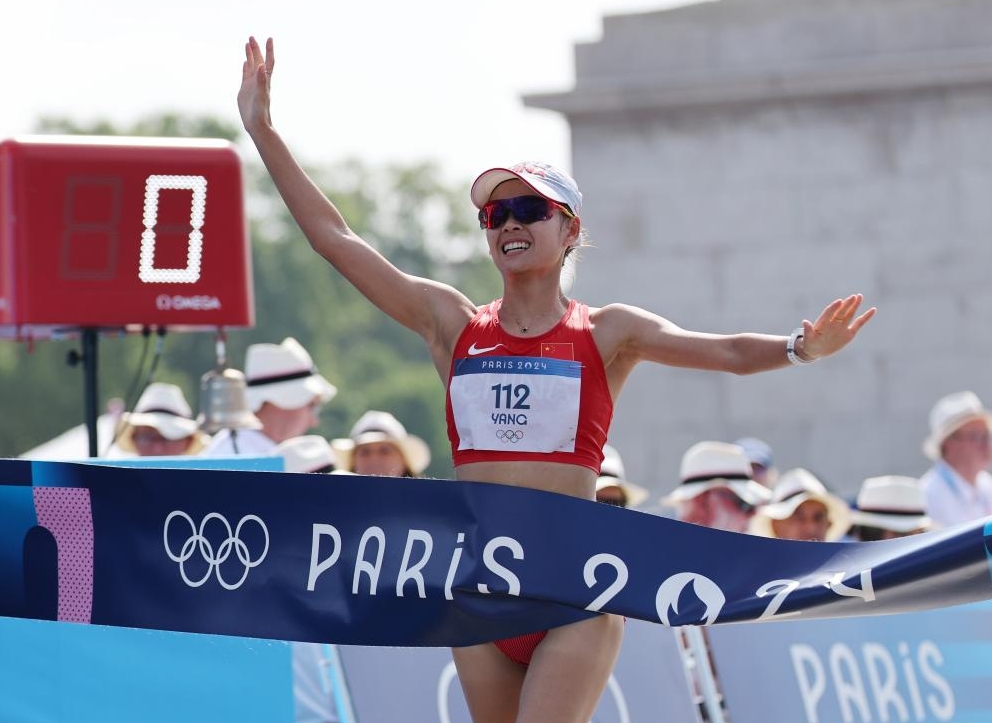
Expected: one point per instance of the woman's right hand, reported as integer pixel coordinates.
(256, 76)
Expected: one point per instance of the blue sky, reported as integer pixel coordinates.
(383, 81)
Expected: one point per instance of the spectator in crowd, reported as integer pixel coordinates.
(306, 453)
(762, 460)
(801, 508)
(285, 391)
(958, 487)
(889, 506)
(612, 485)
(716, 488)
(379, 444)
(161, 424)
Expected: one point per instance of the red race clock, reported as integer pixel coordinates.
(117, 232)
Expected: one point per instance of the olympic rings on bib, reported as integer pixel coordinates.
(509, 435)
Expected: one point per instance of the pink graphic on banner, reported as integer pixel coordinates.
(66, 513)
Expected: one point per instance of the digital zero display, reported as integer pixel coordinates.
(116, 232)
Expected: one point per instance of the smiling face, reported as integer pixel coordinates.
(517, 247)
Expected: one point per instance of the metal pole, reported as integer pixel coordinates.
(707, 679)
(89, 387)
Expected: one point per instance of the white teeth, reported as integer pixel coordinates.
(515, 246)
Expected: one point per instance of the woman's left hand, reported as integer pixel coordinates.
(835, 328)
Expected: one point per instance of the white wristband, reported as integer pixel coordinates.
(790, 348)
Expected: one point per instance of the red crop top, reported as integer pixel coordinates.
(542, 398)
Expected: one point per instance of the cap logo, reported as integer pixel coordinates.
(530, 168)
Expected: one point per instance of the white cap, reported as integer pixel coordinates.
(543, 178)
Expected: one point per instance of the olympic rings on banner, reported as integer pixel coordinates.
(197, 541)
(509, 435)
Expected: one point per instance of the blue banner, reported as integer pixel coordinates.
(419, 562)
(923, 667)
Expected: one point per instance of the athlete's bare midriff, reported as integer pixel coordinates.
(567, 479)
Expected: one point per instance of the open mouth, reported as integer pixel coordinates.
(511, 246)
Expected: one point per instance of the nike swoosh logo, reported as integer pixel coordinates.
(474, 350)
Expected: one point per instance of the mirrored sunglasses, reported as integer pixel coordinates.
(526, 209)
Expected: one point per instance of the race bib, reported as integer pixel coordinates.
(516, 403)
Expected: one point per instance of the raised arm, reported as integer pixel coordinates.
(435, 311)
(627, 335)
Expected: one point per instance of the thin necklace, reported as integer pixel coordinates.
(524, 329)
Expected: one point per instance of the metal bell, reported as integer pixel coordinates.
(224, 403)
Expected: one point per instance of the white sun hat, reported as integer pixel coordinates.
(708, 465)
(306, 453)
(792, 489)
(164, 408)
(284, 375)
(612, 474)
(948, 415)
(892, 502)
(376, 426)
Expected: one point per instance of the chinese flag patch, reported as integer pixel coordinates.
(562, 350)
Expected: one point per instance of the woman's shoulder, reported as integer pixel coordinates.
(614, 313)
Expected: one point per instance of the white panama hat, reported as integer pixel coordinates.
(284, 375)
(612, 474)
(948, 415)
(708, 465)
(792, 489)
(376, 426)
(306, 453)
(164, 408)
(892, 502)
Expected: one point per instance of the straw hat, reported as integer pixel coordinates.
(284, 375)
(306, 453)
(611, 474)
(948, 415)
(793, 488)
(376, 426)
(892, 502)
(164, 408)
(708, 465)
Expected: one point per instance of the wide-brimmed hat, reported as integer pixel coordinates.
(792, 489)
(612, 474)
(948, 415)
(306, 453)
(164, 408)
(376, 426)
(892, 502)
(543, 178)
(708, 465)
(284, 375)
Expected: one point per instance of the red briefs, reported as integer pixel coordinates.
(521, 648)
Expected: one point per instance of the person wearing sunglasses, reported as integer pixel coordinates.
(530, 377)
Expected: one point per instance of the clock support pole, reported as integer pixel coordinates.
(88, 358)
